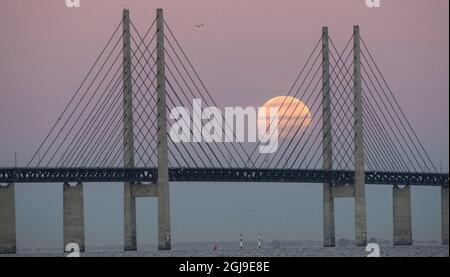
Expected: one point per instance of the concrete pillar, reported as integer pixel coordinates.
(129, 202)
(73, 215)
(164, 238)
(327, 155)
(129, 218)
(360, 194)
(444, 214)
(402, 215)
(7, 219)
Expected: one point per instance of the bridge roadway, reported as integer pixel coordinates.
(85, 175)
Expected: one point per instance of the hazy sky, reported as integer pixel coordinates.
(248, 49)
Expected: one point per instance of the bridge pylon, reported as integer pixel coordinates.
(356, 190)
(329, 239)
(359, 187)
(129, 201)
(164, 238)
(73, 215)
(134, 190)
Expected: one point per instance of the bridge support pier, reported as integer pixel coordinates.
(329, 239)
(73, 215)
(444, 214)
(402, 215)
(129, 218)
(7, 219)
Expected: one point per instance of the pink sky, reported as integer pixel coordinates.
(247, 52)
(250, 49)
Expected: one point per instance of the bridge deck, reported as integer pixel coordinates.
(85, 175)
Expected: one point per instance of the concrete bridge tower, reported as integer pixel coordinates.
(356, 190)
(329, 239)
(129, 201)
(164, 236)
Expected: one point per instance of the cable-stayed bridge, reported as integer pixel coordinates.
(115, 129)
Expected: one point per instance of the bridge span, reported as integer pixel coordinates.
(141, 175)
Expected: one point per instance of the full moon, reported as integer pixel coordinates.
(293, 114)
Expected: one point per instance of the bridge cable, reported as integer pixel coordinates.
(398, 117)
(134, 149)
(301, 123)
(296, 81)
(347, 103)
(139, 114)
(94, 146)
(77, 105)
(304, 145)
(83, 109)
(201, 95)
(295, 95)
(169, 97)
(387, 121)
(336, 127)
(174, 104)
(399, 107)
(204, 87)
(99, 139)
(348, 81)
(81, 135)
(344, 107)
(76, 93)
(387, 140)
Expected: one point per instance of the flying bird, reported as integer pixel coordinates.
(198, 25)
(250, 210)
